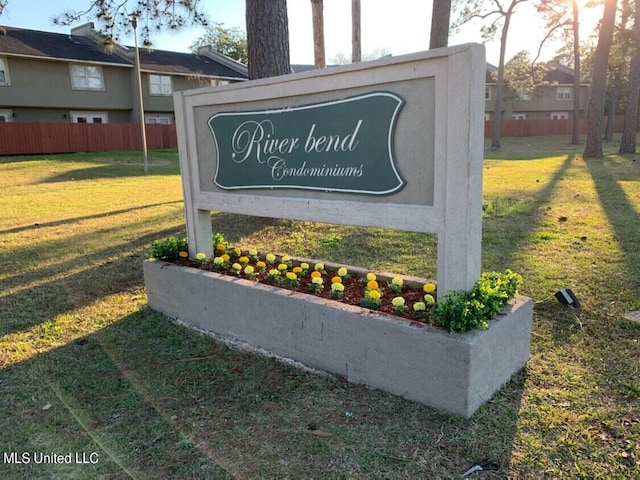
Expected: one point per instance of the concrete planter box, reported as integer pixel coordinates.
(455, 373)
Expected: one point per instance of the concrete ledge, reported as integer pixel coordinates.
(455, 373)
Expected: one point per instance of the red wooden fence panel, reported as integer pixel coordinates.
(529, 128)
(24, 138)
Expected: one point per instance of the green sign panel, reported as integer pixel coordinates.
(343, 145)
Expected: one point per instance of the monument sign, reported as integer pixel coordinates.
(394, 143)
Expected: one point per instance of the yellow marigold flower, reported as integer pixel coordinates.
(253, 252)
(342, 271)
(337, 287)
(429, 287)
(270, 257)
(218, 260)
(336, 279)
(260, 264)
(286, 258)
(296, 270)
(221, 247)
(274, 272)
(371, 276)
(419, 306)
(201, 256)
(282, 267)
(304, 266)
(317, 280)
(183, 254)
(291, 276)
(374, 294)
(372, 284)
(225, 257)
(429, 300)
(318, 266)
(237, 251)
(248, 270)
(397, 281)
(397, 301)
(316, 274)
(244, 259)
(236, 266)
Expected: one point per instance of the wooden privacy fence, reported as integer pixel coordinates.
(530, 128)
(24, 138)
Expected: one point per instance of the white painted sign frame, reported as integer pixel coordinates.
(455, 216)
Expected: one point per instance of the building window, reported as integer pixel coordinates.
(157, 119)
(487, 93)
(519, 116)
(4, 72)
(563, 93)
(160, 85)
(524, 95)
(5, 115)
(86, 77)
(487, 117)
(559, 115)
(89, 117)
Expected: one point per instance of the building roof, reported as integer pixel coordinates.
(83, 45)
(556, 73)
(34, 43)
(186, 64)
(559, 73)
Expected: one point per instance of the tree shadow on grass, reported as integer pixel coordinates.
(508, 224)
(78, 400)
(42, 294)
(68, 221)
(155, 399)
(234, 226)
(621, 213)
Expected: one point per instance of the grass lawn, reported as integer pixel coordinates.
(87, 369)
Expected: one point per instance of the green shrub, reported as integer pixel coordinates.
(218, 239)
(168, 248)
(466, 311)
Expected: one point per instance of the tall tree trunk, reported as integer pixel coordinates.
(628, 141)
(267, 38)
(593, 149)
(575, 133)
(356, 39)
(497, 121)
(611, 108)
(317, 13)
(440, 20)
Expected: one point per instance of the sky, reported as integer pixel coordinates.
(400, 26)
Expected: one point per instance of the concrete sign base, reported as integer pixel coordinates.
(455, 373)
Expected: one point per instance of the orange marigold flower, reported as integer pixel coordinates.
(336, 279)
(183, 254)
(221, 247)
(372, 284)
(316, 274)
